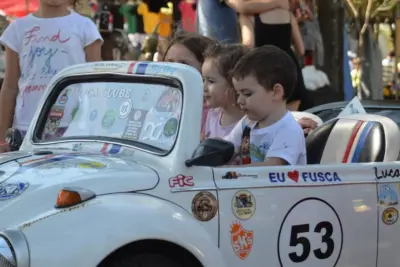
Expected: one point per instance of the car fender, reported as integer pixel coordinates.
(86, 234)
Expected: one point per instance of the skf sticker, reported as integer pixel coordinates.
(181, 181)
(204, 206)
(11, 190)
(235, 175)
(90, 165)
(243, 204)
(242, 240)
(388, 195)
(390, 216)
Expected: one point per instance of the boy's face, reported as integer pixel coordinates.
(255, 100)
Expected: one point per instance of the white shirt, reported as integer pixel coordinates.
(284, 139)
(45, 46)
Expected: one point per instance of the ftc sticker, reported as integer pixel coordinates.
(243, 205)
(11, 190)
(242, 240)
(181, 181)
(204, 206)
(388, 195)
(390, 216)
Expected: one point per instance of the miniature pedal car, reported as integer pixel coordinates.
(111, 173)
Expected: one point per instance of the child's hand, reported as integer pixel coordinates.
(307, 124)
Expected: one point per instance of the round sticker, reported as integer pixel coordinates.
(93, 115)
(91, 165)
(125, 109)
(109, 119)
(243, 205)
(204, 206)
(310, 240)
(390, 216)
(170, 127)
(11, 190)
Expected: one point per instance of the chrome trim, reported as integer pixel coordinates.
(211, 188)
(19, 245)
(293, 186)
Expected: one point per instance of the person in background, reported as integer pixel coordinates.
(38, 46)
(388, 72)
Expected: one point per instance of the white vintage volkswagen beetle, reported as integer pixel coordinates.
(111, 173)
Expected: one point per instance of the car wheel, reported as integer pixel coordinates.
(142, 260)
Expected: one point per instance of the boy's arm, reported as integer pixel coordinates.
(256, 6)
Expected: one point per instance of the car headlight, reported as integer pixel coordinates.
(7, 255)
(14, 251)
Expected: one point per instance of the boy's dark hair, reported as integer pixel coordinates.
(194, 42)
(269, 65)
(226, 56)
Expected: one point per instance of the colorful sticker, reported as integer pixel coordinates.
(63, 99)
(243, 205)
(108, 119)
(242, 240)
(11, 190)
(235, 175)
(388, 195)
(204, 206)
(390, 216)
(170, 127)
(110, 149)
(307, 177)
(125, 109)
(90, 165)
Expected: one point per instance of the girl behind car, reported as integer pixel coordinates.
(37, 47)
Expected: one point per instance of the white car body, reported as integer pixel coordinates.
(314, 216)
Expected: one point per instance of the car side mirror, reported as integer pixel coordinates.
(14, 139)
(212, 152)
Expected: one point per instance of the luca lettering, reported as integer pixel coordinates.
(386, 173)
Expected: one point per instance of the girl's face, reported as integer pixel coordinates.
(180, 54)
(217, 92)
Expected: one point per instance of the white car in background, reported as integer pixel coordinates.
(111, 173)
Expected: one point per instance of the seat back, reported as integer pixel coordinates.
(353, 139)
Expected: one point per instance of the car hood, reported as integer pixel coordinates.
(29, 184)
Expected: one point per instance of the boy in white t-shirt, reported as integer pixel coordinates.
(268, 135)
(38, 46)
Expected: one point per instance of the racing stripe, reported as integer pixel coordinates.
(141, 68)
(350, 143)
(361, 141)
(24, 167)
(130, 68)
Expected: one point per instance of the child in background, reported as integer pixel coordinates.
(188, 48)
(38, 46)
(268, 135)
(219, 94)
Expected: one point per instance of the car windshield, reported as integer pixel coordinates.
(146, 115)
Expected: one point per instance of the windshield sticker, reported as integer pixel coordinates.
(63, 99)
(108, 119)
(117, 93)
(93, 115)
(11, 190)
(110, 149)
(125, 108)
(170, 127)
(91, 165)
(134, 124)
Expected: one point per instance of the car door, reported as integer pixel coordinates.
(388, 178)
(314, 216)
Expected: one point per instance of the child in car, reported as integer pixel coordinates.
(219, 95)
(268, 135)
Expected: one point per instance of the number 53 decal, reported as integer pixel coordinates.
(315, 239)
(296, 239)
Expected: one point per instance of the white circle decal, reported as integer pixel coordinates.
(125, 109)
(315, 240)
